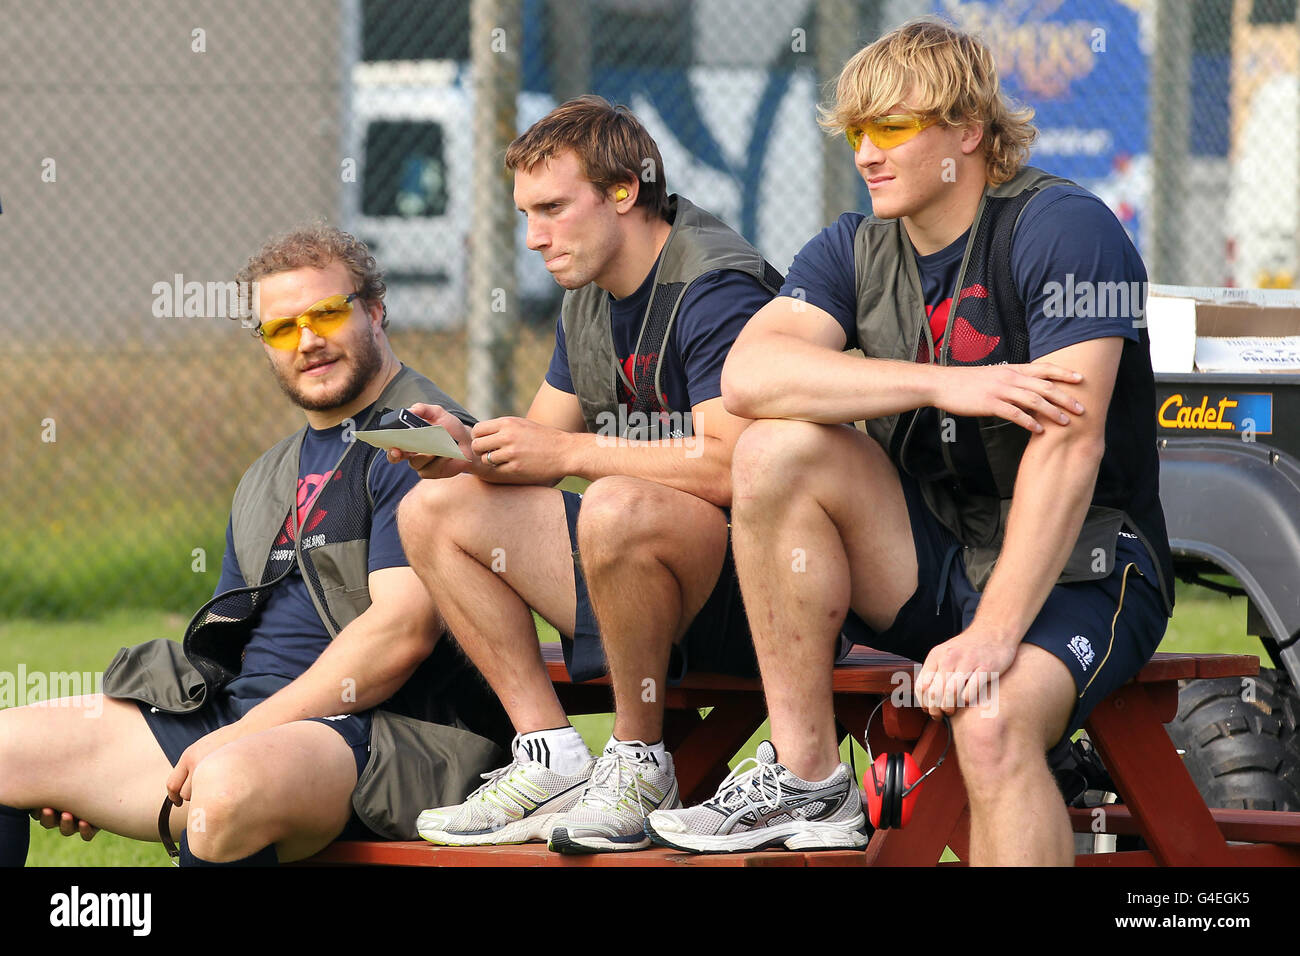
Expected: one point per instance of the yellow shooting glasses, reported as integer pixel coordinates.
(886, 132)
(324, 318)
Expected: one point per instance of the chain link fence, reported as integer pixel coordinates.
(150, 146)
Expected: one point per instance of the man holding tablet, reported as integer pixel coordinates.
(312, 695)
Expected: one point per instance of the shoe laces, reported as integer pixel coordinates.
(606, 789)
(733, 790)
(493, 777)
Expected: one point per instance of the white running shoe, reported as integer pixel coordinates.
(765, 805)
(610, 815)
(515, 804)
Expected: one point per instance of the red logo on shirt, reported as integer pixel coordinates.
(309, 489)
(968, 344)
(633, 367)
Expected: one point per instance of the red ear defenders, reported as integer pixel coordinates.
(892, 781)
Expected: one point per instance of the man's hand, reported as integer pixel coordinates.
(519, 451)
(954, 670)
(1014, 392)
(180, 780)
(433, 466)
(65, 822)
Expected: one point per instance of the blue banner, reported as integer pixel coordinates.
(1082, 66)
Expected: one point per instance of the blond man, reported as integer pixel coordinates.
(999, 519)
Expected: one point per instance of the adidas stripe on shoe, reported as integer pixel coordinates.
(517, 803)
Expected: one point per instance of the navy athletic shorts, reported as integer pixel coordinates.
(716, 642)
(1104, 631)
(175, 732)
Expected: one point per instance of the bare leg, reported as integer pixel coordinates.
(91, 756)
(651, 556)
(1017, 815)
(819, 524)
(290, 786)
(487, 553)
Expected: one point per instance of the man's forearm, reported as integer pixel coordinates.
(781, 376)
(1053, 490)
(365, 665)
(699, 465)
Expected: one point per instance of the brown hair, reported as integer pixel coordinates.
(936, 69)
(318, 245)
(611, 144)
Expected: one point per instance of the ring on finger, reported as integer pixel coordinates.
(488, 458)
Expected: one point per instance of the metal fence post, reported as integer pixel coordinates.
(496, 39)
(837, 41)
(1170, 104)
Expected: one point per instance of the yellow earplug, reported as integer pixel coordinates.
(621, 194)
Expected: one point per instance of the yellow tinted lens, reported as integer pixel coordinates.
(281, 333)
(854, 135)
(324, 317)
(890, 131)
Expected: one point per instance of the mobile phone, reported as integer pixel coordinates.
(402, 418)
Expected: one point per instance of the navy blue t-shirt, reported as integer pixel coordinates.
(1067, 240)
(289, 635)
(1065, 230)
(713, 311)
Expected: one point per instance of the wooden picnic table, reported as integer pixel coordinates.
(1160, 802)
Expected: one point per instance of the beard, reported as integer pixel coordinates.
(365, 362)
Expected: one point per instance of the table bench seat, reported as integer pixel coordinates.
(1161, 804)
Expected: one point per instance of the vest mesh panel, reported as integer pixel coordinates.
(349, 515)
(654, 336)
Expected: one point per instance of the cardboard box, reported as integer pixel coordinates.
(1223, 330)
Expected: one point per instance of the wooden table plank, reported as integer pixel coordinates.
(1174, 820)
(1247, 854)
(1209, 666)
(865, 671)
(419, 853)
(1247, 826)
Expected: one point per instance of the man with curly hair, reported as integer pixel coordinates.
(1008, 397)
(280, 720)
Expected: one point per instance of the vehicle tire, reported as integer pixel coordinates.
(1239, 741)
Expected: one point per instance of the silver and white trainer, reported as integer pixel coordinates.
(626, 784)
(517, 803)
(762, 805)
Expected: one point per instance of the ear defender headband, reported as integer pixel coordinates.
(894, 779)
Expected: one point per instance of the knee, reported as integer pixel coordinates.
(994, 745)
(620, 517)
(430, 508)
(224, 820)
(771, 456)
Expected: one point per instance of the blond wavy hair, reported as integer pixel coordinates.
(934, 69)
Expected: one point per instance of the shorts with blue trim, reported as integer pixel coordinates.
(1103, 631)
(716, 642)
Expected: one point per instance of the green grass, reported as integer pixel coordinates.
(1204, 622)
(45, 646)
(129, 555)
(120, 463)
